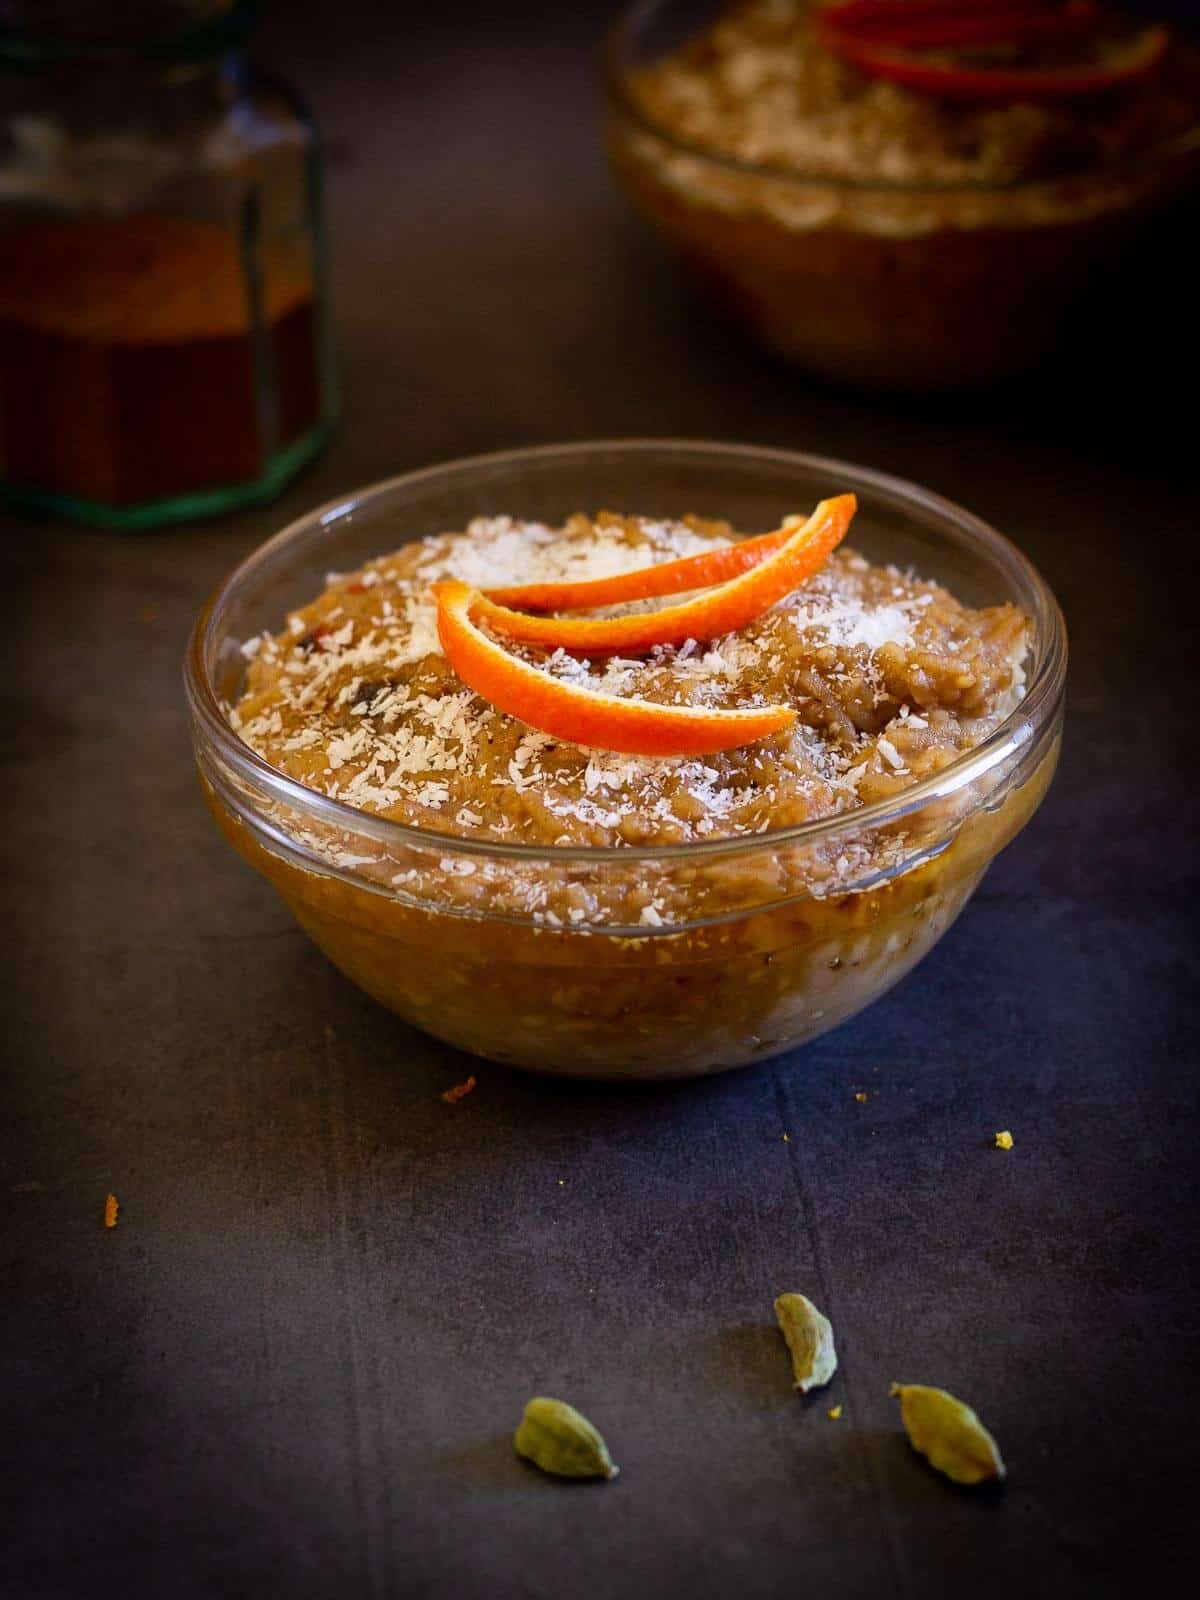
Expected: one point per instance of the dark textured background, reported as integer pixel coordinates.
(294, 1367)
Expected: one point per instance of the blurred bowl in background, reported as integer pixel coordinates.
(887, 281)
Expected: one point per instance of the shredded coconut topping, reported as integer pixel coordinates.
(889, 676)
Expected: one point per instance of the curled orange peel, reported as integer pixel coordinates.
(608, 722)
(852, 31)
(646, 583)
(724, 609)
(942, 24)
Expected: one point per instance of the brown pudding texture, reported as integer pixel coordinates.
(127, 360)
(654, 967)
(891, 678)
(886, 236)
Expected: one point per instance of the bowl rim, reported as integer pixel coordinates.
(615, 74)
(1021, 728)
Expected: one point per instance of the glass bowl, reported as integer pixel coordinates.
(763, 942)
(887, 283)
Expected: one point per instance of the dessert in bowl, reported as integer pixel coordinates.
(628, 794)
(916, 193)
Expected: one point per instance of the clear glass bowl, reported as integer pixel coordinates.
(766, 942)
(889, 284)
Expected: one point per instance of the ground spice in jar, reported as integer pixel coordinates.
(129, 367)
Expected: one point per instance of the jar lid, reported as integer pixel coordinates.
(36, 33)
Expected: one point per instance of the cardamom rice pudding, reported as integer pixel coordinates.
(891, 679)
(798, 766)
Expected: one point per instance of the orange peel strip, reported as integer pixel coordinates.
(671, 577)
(633, 727)
(928, 75)
(721, 610)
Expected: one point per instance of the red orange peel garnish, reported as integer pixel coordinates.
(646, 583)
(723, 609)
(885, 40)
(941, 24)
(633, 727)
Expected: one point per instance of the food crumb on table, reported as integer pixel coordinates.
(1004, 1140)
(112, 1207)
(861, 1096)
(835, 1413)
(459, 1091)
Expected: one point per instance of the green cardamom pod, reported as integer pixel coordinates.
(948, 1434)
(809, 1337)
(556, 1438)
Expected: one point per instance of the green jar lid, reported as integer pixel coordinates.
(36, 34)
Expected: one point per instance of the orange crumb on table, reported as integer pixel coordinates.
(1004, 1140)
(861, 1096)
(834, 1413)
(459, 1091)
(111, 1207)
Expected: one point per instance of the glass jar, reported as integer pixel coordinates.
(164, 330)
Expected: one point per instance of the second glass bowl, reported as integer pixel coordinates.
(891, 284)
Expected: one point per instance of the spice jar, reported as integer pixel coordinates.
(164, 340)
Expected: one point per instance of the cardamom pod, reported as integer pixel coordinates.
(809, 1337)
(948, 1434)
(556, 1438)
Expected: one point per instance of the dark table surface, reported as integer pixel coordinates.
(294, 1367)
